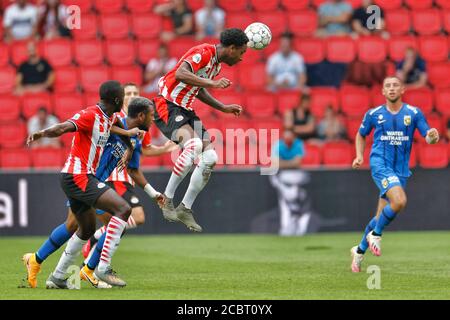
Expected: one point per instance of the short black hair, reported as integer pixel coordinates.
(138, 105)
(109, 90)
(233, 36)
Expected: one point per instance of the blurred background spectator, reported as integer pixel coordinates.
(35, 74)
(20, 21)
(209, 20)
(331, 127)
(300, 119)
(334, 18)
(412, 70)
(362, 21)
(52, 20)
(288, 151)
(40, 121)
(181, 16)
(157, 67)
(286, 68)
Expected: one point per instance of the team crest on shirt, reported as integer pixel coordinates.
(197, 58)
(101, 185)
(134, 200)
(179, 118)
(407, 120)
(385, 183)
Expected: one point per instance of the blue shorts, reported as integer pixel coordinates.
(97, 211)
(386, 179)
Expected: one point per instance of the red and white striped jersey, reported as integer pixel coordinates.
(92, 132)
(204, 63)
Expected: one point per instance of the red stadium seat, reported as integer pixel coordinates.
(180, 46)
(239, 19)
(139, 6)
(120, 52)
(15, 159)
(7, 79)
(233, 5)
(9, 108)
(58, 52)
(321, 98)
(388, 4)
(312, 49)
(275, 20)
(371, 49)
(266, 5)
(354, 100)
(337, 154)
(293, 5)
(31, 102)
(47, 158)
(398, 22)
(251, 57)
(421, 98)
(195, 5)
(84, 5)
(109, 6)
(303, 23)
(88, 28)
(433, 156)
(88, 52)
(13, 135)
(340, 49)
(438, 74)
(128, 74)
(313, 156)
(253, 77)
(92, 77)
(90, 98)
(427, 22)
(377, 97)
(317, 3)
(442, 98)
(66, 79)
(115, 26)
(260, 105)
(147, 50)
(150, 162)
(287, 100)
(434, 48)
(4, 54)
(446, 20)
(418, 4)
(352, 124)
(444, 4)
(230, 73)
(67, 104)
(227, 97)
(398, 46)
(146, 26)
(19, 52)
(435, 121)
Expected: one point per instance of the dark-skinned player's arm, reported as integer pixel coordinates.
(54, 131)
(153, 151)
(138, 177)
(130, 148)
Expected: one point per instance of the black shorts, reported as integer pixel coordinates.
(126, 191)
(169, 117)
(82, 190)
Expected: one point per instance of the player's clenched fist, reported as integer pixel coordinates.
(432, 136)
(33, 137)
(357, 163)
(222, 83)
(233, 108)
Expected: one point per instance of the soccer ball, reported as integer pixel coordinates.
(259, 35)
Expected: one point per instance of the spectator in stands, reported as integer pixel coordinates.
(331, 126)
(286, 68)
(334, 18)
(288, 151)
(300, 120)
(412, 70)
(20, 21)
(181, 16)
(40, 121)
(157, 67)
(35, 74)
(52, 20)
(209, 20)
(364, 24)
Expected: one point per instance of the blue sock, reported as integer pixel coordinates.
(386, 216)
(58, 237)
(370, 226)
(95, 258)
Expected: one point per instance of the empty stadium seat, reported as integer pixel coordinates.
(371, 49)
(31, 102)
(398, 46)
(92, 77)
(312, 49)
(88, 29)
(421, 98)
(13, 135)
(57, 52)
(340, 49)
(352, 125)
(139, 6)
(230, 73)
(434, 48)
(227, 97)
(275, 20)
(89, 52)
(427, 22)
(321, 98)
(418, 4)
(239, 19)
(9, 108)
(438, 74)
(445, 4)
(233, 5)
(19, 52)
(4, 54)
(15, 159)
(312, 157)
(442, 98)
(337, 154)
(260, 105)
(433, 156)
(303, 23)
(147, 50)
(47, 158)
(128, 74)
(66, 79)
(120, 52)
(115, 26)
(90, 98)
(7, 79)
(354, 100)
(84, 5)
(266, 5)
(146, 26)
(253, 77)
(388, 4)
(180, 46)
(377, 96)
(108, 6)
(293, 5)
(398, 22)
(67, 104)
(446, 20)
(287, 100)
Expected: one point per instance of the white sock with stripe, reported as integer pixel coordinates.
(131, 224)
(68, 257)
(114, 231)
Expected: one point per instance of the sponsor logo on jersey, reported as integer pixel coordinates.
(101, 185)
(384, 183)
(407, 120)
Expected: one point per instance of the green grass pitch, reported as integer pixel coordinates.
(414, 265)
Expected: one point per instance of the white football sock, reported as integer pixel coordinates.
(69, 256)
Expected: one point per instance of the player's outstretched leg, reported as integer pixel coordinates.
(358, 251)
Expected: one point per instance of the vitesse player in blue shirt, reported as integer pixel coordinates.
(394, 124)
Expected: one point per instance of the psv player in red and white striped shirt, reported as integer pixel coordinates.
(176, 119)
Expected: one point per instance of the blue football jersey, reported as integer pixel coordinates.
(393, 136)
(114, 151)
